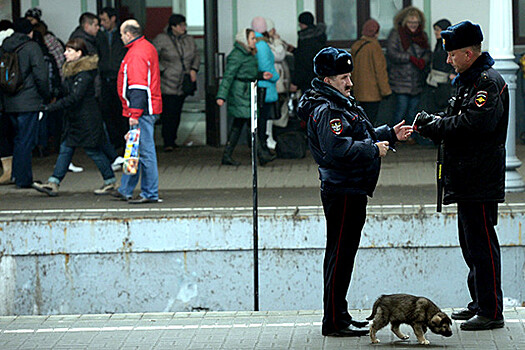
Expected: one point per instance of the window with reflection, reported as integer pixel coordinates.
(345, 18)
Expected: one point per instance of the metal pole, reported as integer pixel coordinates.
(253, 96)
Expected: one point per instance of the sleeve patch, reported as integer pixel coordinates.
(336, 125)
(481, 98)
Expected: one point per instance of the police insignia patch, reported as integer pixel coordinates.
(336, 126)
(481, 98)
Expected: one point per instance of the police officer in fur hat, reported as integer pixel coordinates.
(473, 132)
(348, 150)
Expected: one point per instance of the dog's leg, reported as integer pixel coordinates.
(373, 338)
(378, 323)
(398, 333)
(420, 335)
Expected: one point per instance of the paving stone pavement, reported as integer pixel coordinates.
(230, 330)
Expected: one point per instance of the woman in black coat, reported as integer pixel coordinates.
(83, 120)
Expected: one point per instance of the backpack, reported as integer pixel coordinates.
(11, 80)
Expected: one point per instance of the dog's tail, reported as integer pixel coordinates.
(374, 310)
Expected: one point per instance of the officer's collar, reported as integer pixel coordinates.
(333, 93)
(481, 64)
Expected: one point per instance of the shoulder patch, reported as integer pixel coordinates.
(336, 125)
(481, 98)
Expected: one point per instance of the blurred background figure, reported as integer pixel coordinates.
(369, 76)
(7, 132)
(111, 52)
(178, 55)
(241, 70)
(266, 88)
(439, 80)
(280, 50)
(408, 54)
(311, 39)
(83, 124)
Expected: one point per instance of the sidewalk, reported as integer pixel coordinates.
(230, 330)
(194, 177)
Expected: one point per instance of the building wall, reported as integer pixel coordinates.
(203, 260)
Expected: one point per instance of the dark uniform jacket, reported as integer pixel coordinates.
(83, 121)
(35, 90)
(342, 140)
(474, 132)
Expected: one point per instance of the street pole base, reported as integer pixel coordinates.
(513, 181)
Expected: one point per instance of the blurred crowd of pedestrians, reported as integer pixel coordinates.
(39, 119)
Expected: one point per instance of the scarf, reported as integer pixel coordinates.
(407, 37)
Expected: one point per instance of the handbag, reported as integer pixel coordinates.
(188, 87)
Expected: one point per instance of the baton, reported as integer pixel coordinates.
(439, 176)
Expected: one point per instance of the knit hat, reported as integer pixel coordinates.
(22, 25)
(259, 24)
(442, 23)
(306, 18)
(370, 28)
(35, 13)
(269, 24)
(461, 35)
(331, 61)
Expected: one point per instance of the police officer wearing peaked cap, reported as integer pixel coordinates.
(348, 150)
(473, 132)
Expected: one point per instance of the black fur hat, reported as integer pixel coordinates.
(461, 35)
(331, 61)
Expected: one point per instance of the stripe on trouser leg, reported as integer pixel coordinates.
(337, 258)
(492, 260)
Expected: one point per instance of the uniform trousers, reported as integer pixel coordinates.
(481, 251)
(345, 216)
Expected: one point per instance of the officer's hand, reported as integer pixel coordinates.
(383, 148)
(220, 102)
(267, 75)
(423, 119)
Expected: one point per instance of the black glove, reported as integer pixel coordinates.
(423, 120)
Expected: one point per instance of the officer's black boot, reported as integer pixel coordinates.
(230, 146)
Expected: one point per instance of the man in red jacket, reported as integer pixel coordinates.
(139, 90)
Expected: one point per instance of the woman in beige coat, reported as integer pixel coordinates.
(178, 55)
(370, 76)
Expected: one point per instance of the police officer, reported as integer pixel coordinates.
(348, 150)
(473, 132)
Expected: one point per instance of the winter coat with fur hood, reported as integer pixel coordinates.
(241, 70)
(83, 120)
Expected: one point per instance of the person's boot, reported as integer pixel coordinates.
(230, 146)
(263, 153)
(7, 165)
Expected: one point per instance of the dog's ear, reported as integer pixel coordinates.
(436, 320)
